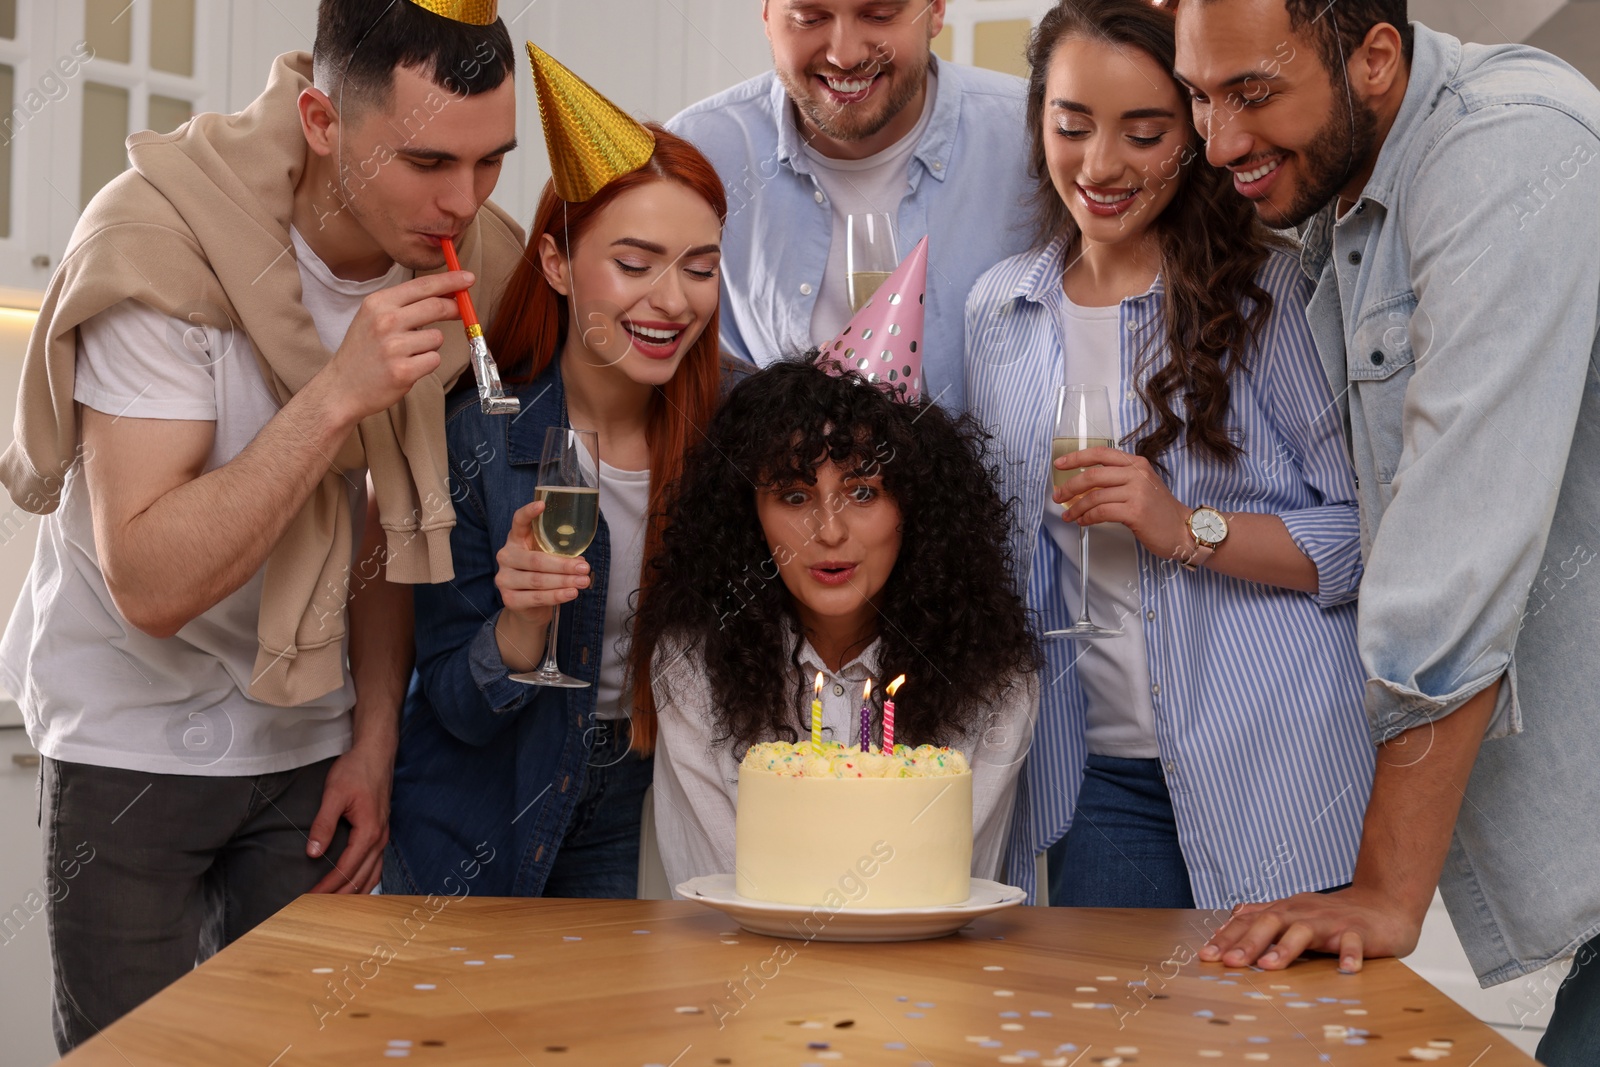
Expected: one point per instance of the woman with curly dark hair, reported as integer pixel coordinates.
(824, 526)
(1223, 527)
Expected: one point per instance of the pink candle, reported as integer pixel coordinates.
(888, 714)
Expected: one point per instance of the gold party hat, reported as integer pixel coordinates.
(590, 139)
(472, 12)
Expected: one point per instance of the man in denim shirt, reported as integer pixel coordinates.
(859, 116)
(1452, 195)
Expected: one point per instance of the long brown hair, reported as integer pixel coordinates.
(1212, 245)
(531, 328)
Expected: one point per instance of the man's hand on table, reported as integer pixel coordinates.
(357, 790)
(1352, 923)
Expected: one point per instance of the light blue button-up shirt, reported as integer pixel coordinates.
(1457, 311)
(965, 191)
(1256, 690)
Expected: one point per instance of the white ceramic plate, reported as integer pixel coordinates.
(816, 923)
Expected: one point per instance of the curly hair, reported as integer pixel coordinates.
(951, 618)
(1212, 245)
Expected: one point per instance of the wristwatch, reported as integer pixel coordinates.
(1209, 529)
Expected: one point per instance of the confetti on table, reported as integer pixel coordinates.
(1088, 989)
(1111, 1061)
(1245, 1018)
(977, 1039)
(641, 931)
(894, 1046)
(1083, 1004)
(1442, 1043)
(1012, 1059)
(570, 937)
(504, 956)
(1429, 1053)
(457, 948)
(1126, 1050)
(424, 985)
(1011, 1015)
(473, 963)
(926, 1004)
(1106, 978)
(1355, 1011)
(397, 1053)
(689, 1009)
(1209, 1053)
(322, 970)
(1257, 1056)
(1279, 987)
(1004, 993)
(1012, 1026)
(994, 967)
(1039, 1014)
(729, 941)
(398, 1043)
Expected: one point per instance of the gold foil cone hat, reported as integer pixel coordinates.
(590, 139)
(472, 12)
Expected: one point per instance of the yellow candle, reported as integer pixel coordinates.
(816, 715)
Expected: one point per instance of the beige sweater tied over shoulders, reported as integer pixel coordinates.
(198, 229)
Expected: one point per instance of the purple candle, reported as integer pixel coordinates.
(866, 717)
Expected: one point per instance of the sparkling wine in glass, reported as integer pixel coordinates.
(870, 255)
(1083, 420)
(570, 491)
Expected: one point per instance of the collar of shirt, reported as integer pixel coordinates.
(933, 150)
(1041, 283)
(858, 670)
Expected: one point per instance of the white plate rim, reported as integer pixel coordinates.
(696, 889)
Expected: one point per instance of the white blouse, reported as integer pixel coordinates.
(697, 780)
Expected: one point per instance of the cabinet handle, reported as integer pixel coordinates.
(25, 759)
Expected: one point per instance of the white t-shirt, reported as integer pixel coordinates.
(625, 503)
(94, 689)
(1114, 671)
(853, 187)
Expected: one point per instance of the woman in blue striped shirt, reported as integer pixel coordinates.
(1217, 751)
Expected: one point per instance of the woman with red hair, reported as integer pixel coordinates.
(610, 325)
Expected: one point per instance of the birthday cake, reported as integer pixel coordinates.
(834, 827)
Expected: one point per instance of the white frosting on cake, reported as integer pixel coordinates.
(842, 830)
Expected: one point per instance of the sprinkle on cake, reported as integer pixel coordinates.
(802, 760)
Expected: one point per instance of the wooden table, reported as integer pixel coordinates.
(342, 980)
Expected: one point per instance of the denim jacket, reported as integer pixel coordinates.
(489, 770)
(1456, 315)
(965, 192)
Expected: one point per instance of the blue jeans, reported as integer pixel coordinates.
(599, 855)
(1122, 850)
(1573, 1039)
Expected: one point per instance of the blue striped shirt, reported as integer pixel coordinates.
(1257, 690)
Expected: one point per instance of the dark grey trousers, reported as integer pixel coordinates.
(151, 874)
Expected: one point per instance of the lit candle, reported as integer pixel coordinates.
(816, 716)
(888, 714)
(866, 716)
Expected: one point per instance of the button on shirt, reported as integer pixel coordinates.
(1237, 668)
(1464, 346)
(965, 190)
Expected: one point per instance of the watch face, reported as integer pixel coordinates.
(1209, 526)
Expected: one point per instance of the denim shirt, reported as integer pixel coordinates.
(965, 192)
(489, 770)
(1456, 315)
(1237, 669)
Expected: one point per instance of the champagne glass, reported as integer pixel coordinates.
(870, 255)
(1083, 420)
(569, 488)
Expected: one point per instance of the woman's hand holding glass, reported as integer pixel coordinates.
(1117, 486)
(531, 584)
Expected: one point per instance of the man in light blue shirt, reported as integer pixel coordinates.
(1452, 196)
(859, 116)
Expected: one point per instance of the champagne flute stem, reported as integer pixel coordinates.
(1083, 576)
(548, 667)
